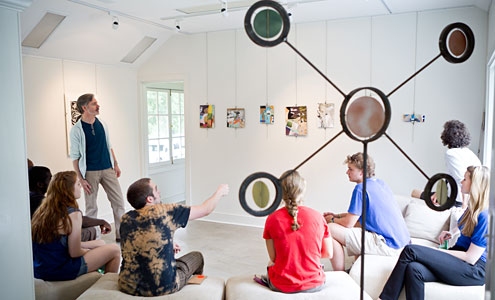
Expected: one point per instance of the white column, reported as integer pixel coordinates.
(16, 260)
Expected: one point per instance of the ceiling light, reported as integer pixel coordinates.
(42, 30)
(115, 22)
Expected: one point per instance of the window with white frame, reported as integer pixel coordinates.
(166, 139)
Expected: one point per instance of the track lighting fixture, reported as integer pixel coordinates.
(224, 10)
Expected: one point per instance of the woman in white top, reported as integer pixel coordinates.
(458, 156)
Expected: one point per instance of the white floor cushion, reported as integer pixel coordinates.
(64, 290)
(107, 288)
(378, 270)
(338, 286)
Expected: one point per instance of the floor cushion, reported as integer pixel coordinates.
(107, 288)
(64, 290)
(338, 286)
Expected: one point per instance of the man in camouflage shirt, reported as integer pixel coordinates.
(149, 267)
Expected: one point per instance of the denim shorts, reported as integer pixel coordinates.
(84, 267)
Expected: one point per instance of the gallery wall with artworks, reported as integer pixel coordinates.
(51, 86)
(296, 119)
(281, 110)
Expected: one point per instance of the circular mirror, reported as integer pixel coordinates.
(267, 23)
(260, 194)
(366, 117)
(440, 192)
(456, 42)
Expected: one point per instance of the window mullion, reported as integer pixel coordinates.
(170, 126)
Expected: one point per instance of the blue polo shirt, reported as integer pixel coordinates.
(478, 236)
(97, 156)
(383, 215)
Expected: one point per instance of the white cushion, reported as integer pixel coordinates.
(424, 222)
(107, 288)
(425, 243)
(64, 290)
(441, 291)
(378, 270)
(403, 201)
(338, 286)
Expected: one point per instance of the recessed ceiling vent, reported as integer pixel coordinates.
(43, 30)
(139, 49)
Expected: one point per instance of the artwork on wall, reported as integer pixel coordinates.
(207, 116)
(296, 120)
(266, 114)
(236, 118)
(71, 117)
(325, 115)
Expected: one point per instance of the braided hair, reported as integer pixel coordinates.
(293, 187)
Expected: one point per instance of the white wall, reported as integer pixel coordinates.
(45, 81)
(491, 31)
(380, 51)
(15, 233)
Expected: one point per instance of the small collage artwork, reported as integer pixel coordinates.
(296, 117)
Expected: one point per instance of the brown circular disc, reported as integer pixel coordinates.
(457, 42)
(365, 116)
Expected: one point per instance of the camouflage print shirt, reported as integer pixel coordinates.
(148, 264)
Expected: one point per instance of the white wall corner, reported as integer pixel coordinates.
(19, 5)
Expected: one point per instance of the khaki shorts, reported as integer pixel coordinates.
(375, 243)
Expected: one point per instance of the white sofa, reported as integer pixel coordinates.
(424, 225)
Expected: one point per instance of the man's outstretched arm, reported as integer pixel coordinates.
(199, 211)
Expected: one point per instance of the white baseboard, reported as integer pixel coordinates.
(235, 219)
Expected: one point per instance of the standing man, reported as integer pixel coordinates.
(386, 230)
(94, 160)
(149, 267)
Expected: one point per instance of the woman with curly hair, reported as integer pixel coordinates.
(458, 156)
(461, 265)
(296, 238)
(58, 252)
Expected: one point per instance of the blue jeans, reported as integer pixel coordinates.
(419, 264)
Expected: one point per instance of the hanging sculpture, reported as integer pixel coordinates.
(364, 118)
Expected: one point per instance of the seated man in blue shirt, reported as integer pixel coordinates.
(386, 230)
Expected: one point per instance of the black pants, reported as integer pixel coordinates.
(419, 264)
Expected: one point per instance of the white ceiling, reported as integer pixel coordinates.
(86, 34)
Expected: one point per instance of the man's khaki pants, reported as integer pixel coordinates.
(108, 180)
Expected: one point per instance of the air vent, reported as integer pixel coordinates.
(43, 30)
(139, 49)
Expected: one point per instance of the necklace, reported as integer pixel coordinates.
(92, 129)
